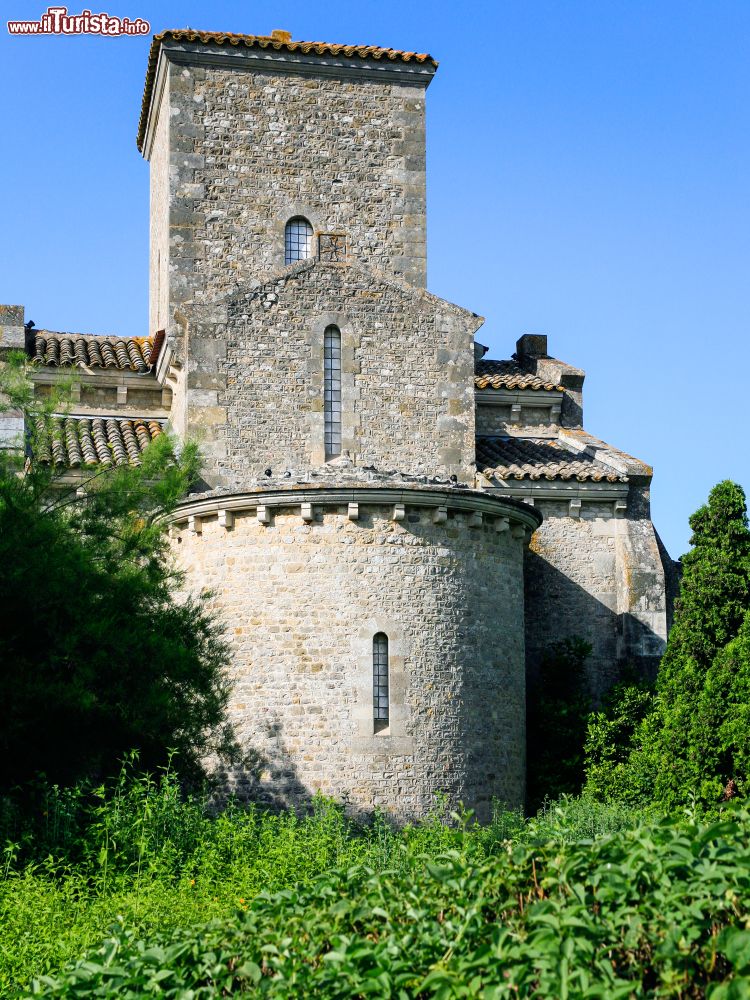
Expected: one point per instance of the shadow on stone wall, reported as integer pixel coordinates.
(617, 639)
(268, 778)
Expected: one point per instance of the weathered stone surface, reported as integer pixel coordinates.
(302, 602)
(598, 578)
(407, 375)
(238, 152)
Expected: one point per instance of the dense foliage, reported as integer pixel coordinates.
(689, 740)
(141, 853)
(558, 707)
(611, 731)
(651, 911)
(97, 654)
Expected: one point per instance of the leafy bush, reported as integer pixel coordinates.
(140, 851)
(609, 739)
(655, 911)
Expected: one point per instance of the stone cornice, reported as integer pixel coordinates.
(100, 377)
(470, 501)
(560, 490)
(522, 397)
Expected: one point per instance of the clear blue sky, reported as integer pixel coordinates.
(588, 168)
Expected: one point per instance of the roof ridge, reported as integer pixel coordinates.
(504, 457)
(94, 336)
(57, 349)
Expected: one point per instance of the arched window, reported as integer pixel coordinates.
(298, 240)
(332, 391)
(381, 713)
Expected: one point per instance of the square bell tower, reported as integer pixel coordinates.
(247, 135)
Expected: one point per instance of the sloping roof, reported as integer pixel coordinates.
(539, 458)
(74, 350)
(279, 40)
(86, 441)
(508, 375)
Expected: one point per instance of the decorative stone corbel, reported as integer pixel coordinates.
(475, 519)
(518, 531)
(306, 512)
(399, 512)
(122, 395)
(620, 507)
(574, 508)
(353, 512)
(263, 514)
(502, 524)
(441, 515)
(554, 413)
(515, 413)
(195, 524)
(226, 519)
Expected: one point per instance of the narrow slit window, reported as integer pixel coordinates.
(332, 391)
(380, 697)
(298, 240)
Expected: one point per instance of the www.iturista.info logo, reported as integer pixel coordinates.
(57, 21)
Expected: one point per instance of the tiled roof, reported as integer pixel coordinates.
(280, 41)
(70, 349)
(508, 375)
(81, 441)
(539, 458)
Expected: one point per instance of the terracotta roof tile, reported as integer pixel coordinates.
(73, 350)
(539, 458)
(280, 41)
(508, 375)
(80, 441)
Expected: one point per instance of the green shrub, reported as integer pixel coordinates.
(140, 851)
(609, 741)
(654, 911)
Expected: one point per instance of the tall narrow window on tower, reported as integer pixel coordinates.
(381, 713)
(332, 391)
(298, 240)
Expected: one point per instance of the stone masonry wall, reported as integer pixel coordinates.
(248, 150)
(159, 234)
(599, 578)
(302, 602)
(255, 376)
(532, 421)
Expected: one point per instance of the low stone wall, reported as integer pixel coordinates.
(303, 588)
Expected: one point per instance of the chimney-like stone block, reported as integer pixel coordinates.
(532, 345)
(12, 333)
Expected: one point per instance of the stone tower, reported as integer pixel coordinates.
(373, 596)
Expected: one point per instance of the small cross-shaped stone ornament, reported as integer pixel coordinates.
(332, 247)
